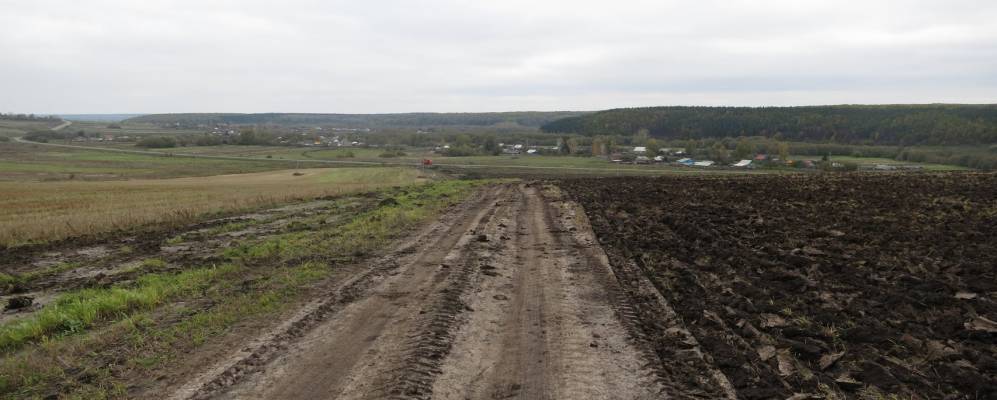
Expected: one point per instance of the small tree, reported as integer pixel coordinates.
(597, 146)
(743, 149)
(718, 152)
(642, 136)
(653, 146)
(490, 146)
(783, 148)
(572, 145)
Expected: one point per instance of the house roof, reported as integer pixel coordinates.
(640, 149)
(742, 163)
(706, 163)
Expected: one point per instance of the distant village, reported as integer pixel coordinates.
(347, 137)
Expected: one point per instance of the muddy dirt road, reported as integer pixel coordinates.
(509, 296)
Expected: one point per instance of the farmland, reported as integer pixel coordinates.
(168, 280)
(38, 162)
(855, 286)
(205, 160)
(44, 211)
(124, 315)
(231, 271)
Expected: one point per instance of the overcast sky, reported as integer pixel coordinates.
(101, 56)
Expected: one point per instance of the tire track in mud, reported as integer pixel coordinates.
(227, 379)
(511, 297)
(431, 338)
(544, 323)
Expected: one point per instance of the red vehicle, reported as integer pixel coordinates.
(427, 162)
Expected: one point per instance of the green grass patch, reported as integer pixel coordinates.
(267, 249)
(7, 280)
(75, 312)
(175, 240)
(149, 264)
(869, 161)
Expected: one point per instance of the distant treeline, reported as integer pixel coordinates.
(523, 119)
(900, 125)
(27, 117)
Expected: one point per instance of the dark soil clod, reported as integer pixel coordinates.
(19, 302)
(777, 276)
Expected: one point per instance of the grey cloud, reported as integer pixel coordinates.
(448, 55)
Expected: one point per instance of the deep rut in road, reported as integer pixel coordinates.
(509, 296)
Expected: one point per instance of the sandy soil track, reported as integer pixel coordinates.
(507, 297)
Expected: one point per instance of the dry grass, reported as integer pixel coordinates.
(44, 211)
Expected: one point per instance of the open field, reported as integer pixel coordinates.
(852, 286)
(541, 161)
(43, 211)
(13, 128)
(873, 161)
(127, 129)
(39, 162)
(265, 157)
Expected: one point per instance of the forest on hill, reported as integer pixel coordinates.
(532, 119)
(903, 125)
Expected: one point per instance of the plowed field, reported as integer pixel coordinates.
(847, 286)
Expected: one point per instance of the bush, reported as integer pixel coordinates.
(42, 136)
(157, 142)
(392, 154)
(207, 140)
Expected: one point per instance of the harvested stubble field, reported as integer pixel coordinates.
(45, 211)
(40, 162)
(851, 286)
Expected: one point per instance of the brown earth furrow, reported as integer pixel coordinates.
(829, 286)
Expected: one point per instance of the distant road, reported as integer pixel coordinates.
(375, 163)
(62, 125)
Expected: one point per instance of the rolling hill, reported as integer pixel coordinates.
(934, 124)
(523, 119)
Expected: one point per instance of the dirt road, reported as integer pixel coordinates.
(508, 297)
